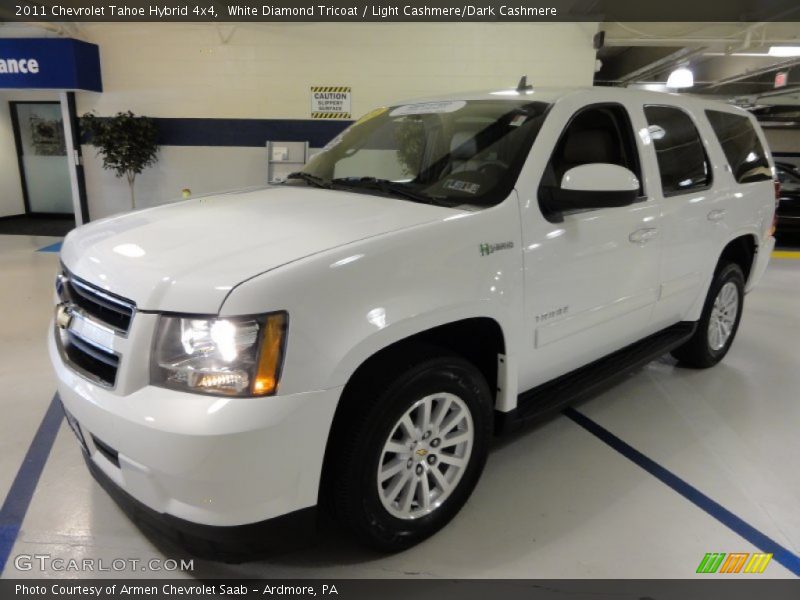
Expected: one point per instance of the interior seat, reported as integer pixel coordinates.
(586, 146)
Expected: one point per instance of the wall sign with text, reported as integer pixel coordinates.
(49, 63)
(331, 102)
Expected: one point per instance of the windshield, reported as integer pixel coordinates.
(450, 152)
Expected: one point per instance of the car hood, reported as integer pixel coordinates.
(187, 256)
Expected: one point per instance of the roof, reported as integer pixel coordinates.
(553, 95)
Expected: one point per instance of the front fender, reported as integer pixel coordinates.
(410, 326)
(347, 303)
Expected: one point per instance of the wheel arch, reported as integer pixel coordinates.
(740, 249)
(455, 337)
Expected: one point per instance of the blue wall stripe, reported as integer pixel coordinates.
(20, 494)
(691, 493)
(244, 132)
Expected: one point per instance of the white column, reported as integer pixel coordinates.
(72, 158)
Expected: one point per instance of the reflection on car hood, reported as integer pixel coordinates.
(187, 256)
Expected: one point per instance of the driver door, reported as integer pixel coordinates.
(591, 276)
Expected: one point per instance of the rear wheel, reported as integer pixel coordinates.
(719, 321)
(411, 462)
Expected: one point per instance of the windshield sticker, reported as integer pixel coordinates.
(462, 186)
(518, 120)
(428, 108)
(371, 115)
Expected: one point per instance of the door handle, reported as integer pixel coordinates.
(642, 236)
(717, 215)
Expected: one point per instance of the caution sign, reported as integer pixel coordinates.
(330, 102)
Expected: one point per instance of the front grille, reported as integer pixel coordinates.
(91, 356)
(91, 360)
(108, 308)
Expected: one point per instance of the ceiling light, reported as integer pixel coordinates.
(784, 50)
(680, 78)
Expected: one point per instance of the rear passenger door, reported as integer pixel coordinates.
(691, 208)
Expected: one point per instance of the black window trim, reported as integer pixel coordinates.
(711, 179)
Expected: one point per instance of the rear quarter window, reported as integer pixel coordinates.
(743, 150)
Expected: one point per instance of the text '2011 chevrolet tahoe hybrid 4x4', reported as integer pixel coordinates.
(440, 270)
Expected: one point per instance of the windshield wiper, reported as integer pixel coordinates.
(385, 186)
(309, 178)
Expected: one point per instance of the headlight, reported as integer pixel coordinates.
(236, 356)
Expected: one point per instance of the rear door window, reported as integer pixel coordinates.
(743, 149)
(682, 159)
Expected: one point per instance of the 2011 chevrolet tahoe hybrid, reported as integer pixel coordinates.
(441, 270)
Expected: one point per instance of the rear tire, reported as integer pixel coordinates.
(718, 322)
(433, 416)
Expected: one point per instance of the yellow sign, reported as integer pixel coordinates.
(331, 102)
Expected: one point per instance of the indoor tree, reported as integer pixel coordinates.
(127, 143)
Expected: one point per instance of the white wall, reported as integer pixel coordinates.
(202, 169)
(264, 71)
(784, 140)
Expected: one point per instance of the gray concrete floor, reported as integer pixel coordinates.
(554, 502)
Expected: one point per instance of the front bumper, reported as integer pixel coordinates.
(232, 544)
(210, 461)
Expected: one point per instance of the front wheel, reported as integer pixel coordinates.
(719, 321)
(414, 458)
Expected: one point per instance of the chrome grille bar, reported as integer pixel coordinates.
(103, 306)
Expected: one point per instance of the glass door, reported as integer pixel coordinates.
(39, 131)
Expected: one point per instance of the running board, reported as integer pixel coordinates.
(591, 379)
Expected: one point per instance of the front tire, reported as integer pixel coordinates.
(409, 464)
(719, 321)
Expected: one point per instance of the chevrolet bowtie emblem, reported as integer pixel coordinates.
(63, 316)
(422, 452)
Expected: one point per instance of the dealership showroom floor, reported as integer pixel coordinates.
(556, 500)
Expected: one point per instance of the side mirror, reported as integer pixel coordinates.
(596, 185)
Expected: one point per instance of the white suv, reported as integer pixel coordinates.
(441, 270)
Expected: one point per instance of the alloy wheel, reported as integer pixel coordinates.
(723, 316)
(425, 456)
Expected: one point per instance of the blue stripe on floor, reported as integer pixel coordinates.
(691, 493)
(19, 496)
(51, 248)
